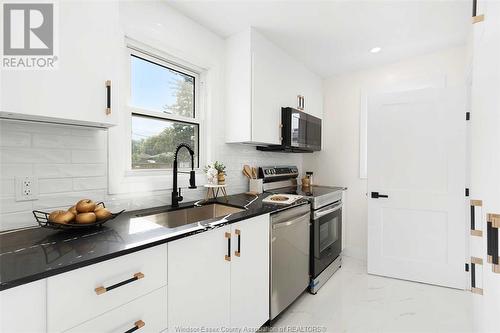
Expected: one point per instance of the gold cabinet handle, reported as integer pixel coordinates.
(238, 251)
(227, 257)
(101, 289)
(137, 325)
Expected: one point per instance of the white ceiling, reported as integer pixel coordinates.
(330, 37)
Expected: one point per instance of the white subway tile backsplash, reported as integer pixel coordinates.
(69, 170)
(63, 141)
(88, 156)
(10, 171)
(89, 183)
(55, 185)
(27, 155)
(17, 220)
(70, 163)
(7, 187)
(10, 205)
(51, 201)
(14, 139)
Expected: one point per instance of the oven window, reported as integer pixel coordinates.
(328, 233)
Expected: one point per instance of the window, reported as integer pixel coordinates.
(164, 114)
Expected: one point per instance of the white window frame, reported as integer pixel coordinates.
(162, 59)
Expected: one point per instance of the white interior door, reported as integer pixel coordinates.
(416, 157)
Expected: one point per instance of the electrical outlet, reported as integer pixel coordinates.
(26, 188)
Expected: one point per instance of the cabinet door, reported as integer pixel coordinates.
(250, 272)
(268, 91)
(75, 92)
(266, 106)
(23, 308)
(198, 281)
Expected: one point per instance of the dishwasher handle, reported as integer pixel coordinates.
(290, 222)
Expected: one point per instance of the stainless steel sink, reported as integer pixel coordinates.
(181, 217)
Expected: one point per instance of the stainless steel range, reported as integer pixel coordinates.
(325, 220)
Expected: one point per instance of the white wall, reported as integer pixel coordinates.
(338, 162)
(159, 26)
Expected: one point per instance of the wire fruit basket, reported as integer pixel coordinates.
(42, 218)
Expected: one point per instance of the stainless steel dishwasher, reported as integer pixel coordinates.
(289, 256)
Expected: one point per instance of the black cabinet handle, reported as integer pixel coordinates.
(492, 238)
(108, 97)
(227, 257)
(376, 195)
(238, 252)
(137, 325)
(101, 290)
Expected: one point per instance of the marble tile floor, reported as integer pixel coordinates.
(353, 301)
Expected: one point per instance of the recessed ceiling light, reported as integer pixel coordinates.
(376, 49)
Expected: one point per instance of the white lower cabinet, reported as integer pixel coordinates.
(250, 273)
(198, 286)
(145, 314)
(23, 308)
(85, 293)
(213, 285)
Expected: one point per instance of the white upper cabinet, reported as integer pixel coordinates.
(89, 49)
(260, 80)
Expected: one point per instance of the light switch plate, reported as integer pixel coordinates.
(26, 188)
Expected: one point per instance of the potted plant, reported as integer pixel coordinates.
(221, 169)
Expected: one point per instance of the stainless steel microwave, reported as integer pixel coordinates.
(300, 133)
(300, 130)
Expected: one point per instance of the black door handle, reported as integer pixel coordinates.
(376, 195)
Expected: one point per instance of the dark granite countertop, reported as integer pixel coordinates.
(33, 254)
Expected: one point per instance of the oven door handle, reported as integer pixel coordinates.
(291, 222)
(322, 213)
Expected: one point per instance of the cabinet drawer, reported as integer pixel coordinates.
(147, 314)
(85, 293)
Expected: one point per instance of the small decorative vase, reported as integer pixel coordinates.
(212, 176)
(221, 178)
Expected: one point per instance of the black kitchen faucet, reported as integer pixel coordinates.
(176, 196)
